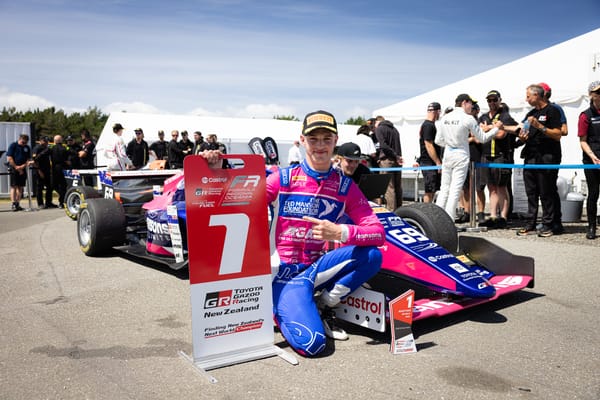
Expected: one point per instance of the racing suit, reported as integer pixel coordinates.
(299, 191)
(453, 135)
(116, 155)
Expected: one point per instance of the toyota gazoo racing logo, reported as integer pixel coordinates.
(230, 297)
(218, 299)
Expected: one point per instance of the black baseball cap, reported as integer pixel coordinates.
(138, 130)
(117, 127)
(319, 119)
(494, 93)
(350, 151)
(434, 106)
(464, 97)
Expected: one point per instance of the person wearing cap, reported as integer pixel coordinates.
(497, 150)
(115, 152)
(557, 226)
(186, 145)
(475, 149)
(588, 131)
(453, 134)
(73, 151)
(310, 201)
(542, 146)
(59, 156)
(159, 147)
(137, 150)
(431, 153)
(198, 140)
(86, 155)
(390, 156)
(348, 160)
(43, 172)
(564, 129)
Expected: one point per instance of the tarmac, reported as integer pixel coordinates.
(77, 327)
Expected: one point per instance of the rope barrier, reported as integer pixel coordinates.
(493, 165)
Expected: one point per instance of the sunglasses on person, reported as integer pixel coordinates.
(492, 100)
(597, 91)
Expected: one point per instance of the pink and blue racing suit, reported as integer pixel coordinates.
(305, 268)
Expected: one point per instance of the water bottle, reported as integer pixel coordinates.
(525, 129)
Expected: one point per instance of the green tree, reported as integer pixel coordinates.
(286, 117)
(51, 122)
(356, 121)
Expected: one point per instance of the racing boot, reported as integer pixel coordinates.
(332, 330)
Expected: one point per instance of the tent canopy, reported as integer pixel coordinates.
(568, 68)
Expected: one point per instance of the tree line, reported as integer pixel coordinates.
(51, 122)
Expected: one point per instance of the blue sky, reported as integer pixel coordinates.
(262, 58)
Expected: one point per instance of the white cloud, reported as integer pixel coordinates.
(22, 101)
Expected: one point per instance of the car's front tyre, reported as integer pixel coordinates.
(101, 225)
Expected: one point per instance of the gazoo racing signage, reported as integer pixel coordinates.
(230, 272)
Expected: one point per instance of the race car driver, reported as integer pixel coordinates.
(310, 201)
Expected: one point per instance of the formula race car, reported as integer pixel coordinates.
(422, 250)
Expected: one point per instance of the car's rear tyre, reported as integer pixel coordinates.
(75, 196)
(101, 225)
(433, 222)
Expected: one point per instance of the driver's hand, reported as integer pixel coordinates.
(324, 230)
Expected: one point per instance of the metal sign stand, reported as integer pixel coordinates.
(473, 209)
(29, 178)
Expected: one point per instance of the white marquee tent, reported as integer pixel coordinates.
(235, 133)
(568, 68)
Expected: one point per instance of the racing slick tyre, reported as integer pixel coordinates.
(433, 222)
(77, 195)
(101, 224)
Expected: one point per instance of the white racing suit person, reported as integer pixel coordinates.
(453, 134)
(115, 152)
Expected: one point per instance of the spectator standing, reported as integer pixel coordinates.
(349, 157)
(557, 227)
(454, 136)
(588, 130)
(294, 154)
(43, 170)
(174, 152)
(73, 150)
(18, 157)
(59, 155)
(431, 153)
(115, 152)
(390, 156)
(497, 151)
(475, 151)
(137, 149)
(367, 147)
(186, 144)
(542, 146)
(86, 155)
(198, 140)
(159, 147)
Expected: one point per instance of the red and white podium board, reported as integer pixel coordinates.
(229, 263)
